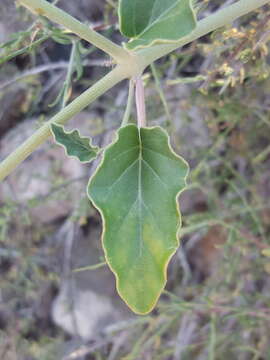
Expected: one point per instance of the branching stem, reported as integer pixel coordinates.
(44, 8)
(130, 64)
(23, 151)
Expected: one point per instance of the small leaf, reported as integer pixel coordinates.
(74, 144)
(135, 189)
(78, 66)
(61, 39)
(148, 22)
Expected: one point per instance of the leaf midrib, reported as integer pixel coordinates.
(139, 199)
(139, 196)
(140, 157)
(86, 147)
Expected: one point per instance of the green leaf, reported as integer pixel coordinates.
(62, 39)
(78, 62)
(74, 144)
(148, 22)
(135, 189)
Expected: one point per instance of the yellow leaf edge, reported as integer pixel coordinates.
(95, 148)
(158, 41)
(165, 267)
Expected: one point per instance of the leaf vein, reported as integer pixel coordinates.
(150, 25)
(156, 174)
(124, 152)
(123, 173)
(160, 154)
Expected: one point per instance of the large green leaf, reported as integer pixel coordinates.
(75, 145)
(135, 189)
(151, 21)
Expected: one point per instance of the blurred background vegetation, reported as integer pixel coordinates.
(213, 98)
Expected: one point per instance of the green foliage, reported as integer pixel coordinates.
(219, 294)
(135, 189)
(74, 66)
(24, 43)
(74, 144)
(155, 21)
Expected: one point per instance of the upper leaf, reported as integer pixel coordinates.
(135, 189)
(151, 21)
(74, 144)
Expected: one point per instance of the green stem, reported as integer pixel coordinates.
(132, 64)
(82, 101)
(44, 8)
(90, 267)
(68, 81)
(161, 94)
(25, 49)
(205, 26)
(130, 102)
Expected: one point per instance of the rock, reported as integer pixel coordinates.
(87, 301)
(86, 316)
(39, 182)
